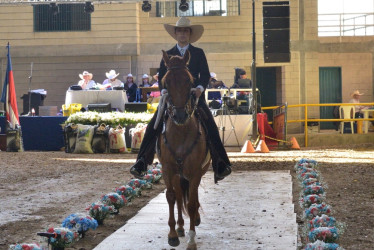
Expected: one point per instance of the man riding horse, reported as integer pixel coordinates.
(185, 34)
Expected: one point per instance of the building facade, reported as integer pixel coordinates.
(124, 38)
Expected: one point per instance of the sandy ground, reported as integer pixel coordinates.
(39, 189)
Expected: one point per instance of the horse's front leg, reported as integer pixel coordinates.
(193, 207)
(179, 197)
(172, 236)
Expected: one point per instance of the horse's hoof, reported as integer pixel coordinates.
(180, 232)
(192, 246)
(174, 242)
(197, 222)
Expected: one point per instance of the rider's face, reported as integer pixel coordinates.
(183, 35)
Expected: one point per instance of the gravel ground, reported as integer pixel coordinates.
(39, 189)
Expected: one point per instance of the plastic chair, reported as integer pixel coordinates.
(346, 112)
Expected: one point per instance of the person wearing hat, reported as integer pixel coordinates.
(214, 83)
(154, 95)
(356, 99)
(185, 33)
(111, 80)
(86, 81)
(130, 87)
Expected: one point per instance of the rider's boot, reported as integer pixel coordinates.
(139, 169)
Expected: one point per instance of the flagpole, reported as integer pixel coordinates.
(30, 77)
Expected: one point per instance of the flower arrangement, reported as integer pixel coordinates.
(26, 246)
(111, 118)
(151, 178)
(63, 237)
(313, 189)
(308, 200)
(136, 183)
(155, 171)
(99, 211)
(115, 200)
(322, 221)
(80, 222)
(320, 245)
(127, 191)
(326, 234)
(310, 181)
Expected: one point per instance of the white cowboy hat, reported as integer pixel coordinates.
(111, 74)
(356, 92)
(86, 73)
(196, 30)
(129, 75)
(213, 75)
(145, 76)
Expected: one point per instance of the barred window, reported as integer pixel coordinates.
(68, 17)
(199, 8)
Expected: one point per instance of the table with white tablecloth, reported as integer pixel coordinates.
(117, 98)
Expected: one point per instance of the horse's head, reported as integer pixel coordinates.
(178, 81)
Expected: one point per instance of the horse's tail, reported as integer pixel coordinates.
(185, 186)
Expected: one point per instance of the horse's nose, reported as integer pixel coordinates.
(180, 116)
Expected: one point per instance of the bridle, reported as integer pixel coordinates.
(189, 106)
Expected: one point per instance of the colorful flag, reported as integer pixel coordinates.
(8, 97)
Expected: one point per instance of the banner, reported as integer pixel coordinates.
(8, 96)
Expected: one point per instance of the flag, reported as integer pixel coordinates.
(8, 96)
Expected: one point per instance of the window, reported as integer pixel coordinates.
(70, 17)
(199, 8)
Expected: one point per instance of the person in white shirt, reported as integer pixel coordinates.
(86, 82)
(112, 80)
(356, 99)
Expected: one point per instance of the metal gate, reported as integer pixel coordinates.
(330, 91)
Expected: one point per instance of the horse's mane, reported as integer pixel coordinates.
(177, 62)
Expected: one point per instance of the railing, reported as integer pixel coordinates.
(346, 24)
(306, 120)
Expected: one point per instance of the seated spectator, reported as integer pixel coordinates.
(86, 82)
(111, 80)
(214, 83)
(130, 87)
(356, 99)
(154, 95)
(145, 81)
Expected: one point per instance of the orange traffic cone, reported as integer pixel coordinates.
(247, 148)
(294, 144)
(262, 148)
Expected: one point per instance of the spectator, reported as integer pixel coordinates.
(111, 80)
(86, 82)
(130, 87)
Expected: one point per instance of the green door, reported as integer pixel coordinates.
(266, 83)
(330, 91)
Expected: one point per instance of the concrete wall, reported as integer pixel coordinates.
(355, 56)
(128, 40)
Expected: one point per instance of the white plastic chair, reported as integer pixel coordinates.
(346, 112)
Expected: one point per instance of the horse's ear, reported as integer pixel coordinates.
(165, 56)
(186, 57)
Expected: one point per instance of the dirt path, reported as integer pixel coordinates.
(39, 189)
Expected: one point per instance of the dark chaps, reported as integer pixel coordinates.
(148, 147)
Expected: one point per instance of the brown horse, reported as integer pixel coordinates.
(182, 148)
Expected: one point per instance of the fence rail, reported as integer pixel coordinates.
(346, 24)
(306, 120)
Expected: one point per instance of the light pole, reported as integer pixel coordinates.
(254, 99)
